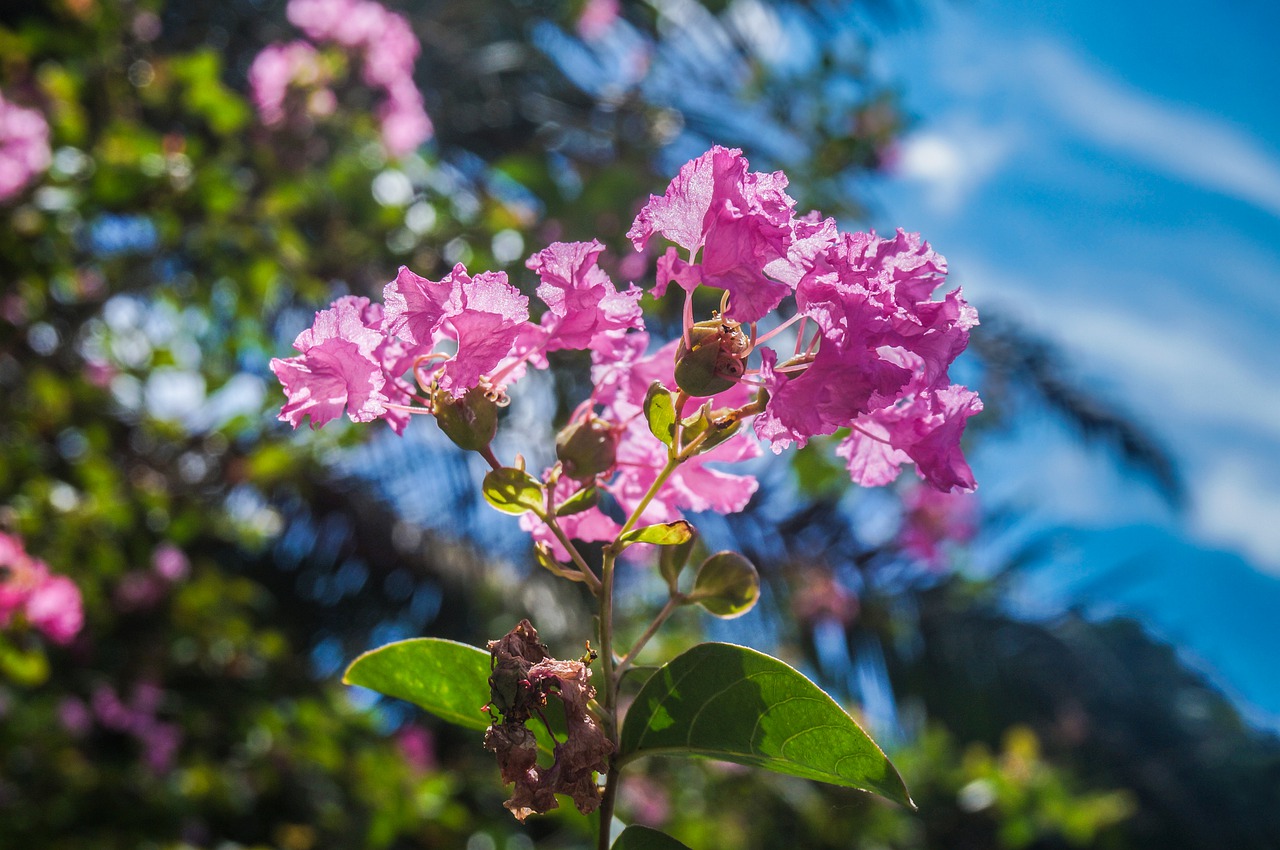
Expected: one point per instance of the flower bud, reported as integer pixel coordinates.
(713, 359)
(586, 449)
(471, 421)
(727, 585)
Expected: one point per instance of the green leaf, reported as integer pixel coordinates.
(513, 491)
(447, 678)
(727, 585)
(644, 838)
(736, 704)
(660, 411)
(671, 560)
(587, 497)
(662, 534)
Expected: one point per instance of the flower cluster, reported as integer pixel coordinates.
(136, 718)
(24, 147)
(869, 351)
(280, 67)
(50, 603)
(386, 47)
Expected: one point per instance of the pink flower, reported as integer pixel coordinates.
(925, 429)
(879, 362)
(50, 603)
(274, 70)
(336, 370)
(170, 562)
(597, 17)
(741, 222)
(54, 608)
(405, 123)
(24, 147)
(484, 315)
(583, 304)
(932, 518)
(387, 48)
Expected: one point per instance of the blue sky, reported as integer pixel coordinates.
(1112, 178)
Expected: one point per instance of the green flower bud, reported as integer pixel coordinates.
(727, 585)
(713, 360)
(586, 449)
(471, 421)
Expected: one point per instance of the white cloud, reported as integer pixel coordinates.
(1236, 503)
(953, 161)
(1184, 143)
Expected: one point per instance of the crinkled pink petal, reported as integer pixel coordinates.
(489, 319)
(415, 307)
(337, 369)
(678, 214)
(583, 302)
(830, 393)
(926, 430)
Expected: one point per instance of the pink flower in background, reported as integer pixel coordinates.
(931, 519)
(24, 147)
(597, 17)
(170, 562)
(55, 608)
(417, 746)
(275, 70)
(50, 603)
(387, 48)
(159, 740)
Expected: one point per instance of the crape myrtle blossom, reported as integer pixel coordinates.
(281, 66)
(24, 147)
(742, 223)
(454, 335)
(872, 349)
(382, 41)
(932, 519)
(50, 603)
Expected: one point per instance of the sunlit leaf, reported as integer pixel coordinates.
(736, 704)
(446, 678)
(660, 412)
(512, 490)
(727, 585)
(662, 534)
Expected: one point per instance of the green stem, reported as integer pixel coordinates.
(673, 603)
(672, 463)
(587, 575)
(610, 704)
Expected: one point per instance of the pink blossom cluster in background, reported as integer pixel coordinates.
(596, 18)
(280, 67)
(142, 589)
(137, 718)
(932, 519)
(868, 348)
(50, 603)
(386, 47)
(24, 147)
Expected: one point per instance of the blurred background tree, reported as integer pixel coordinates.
(229, 567)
